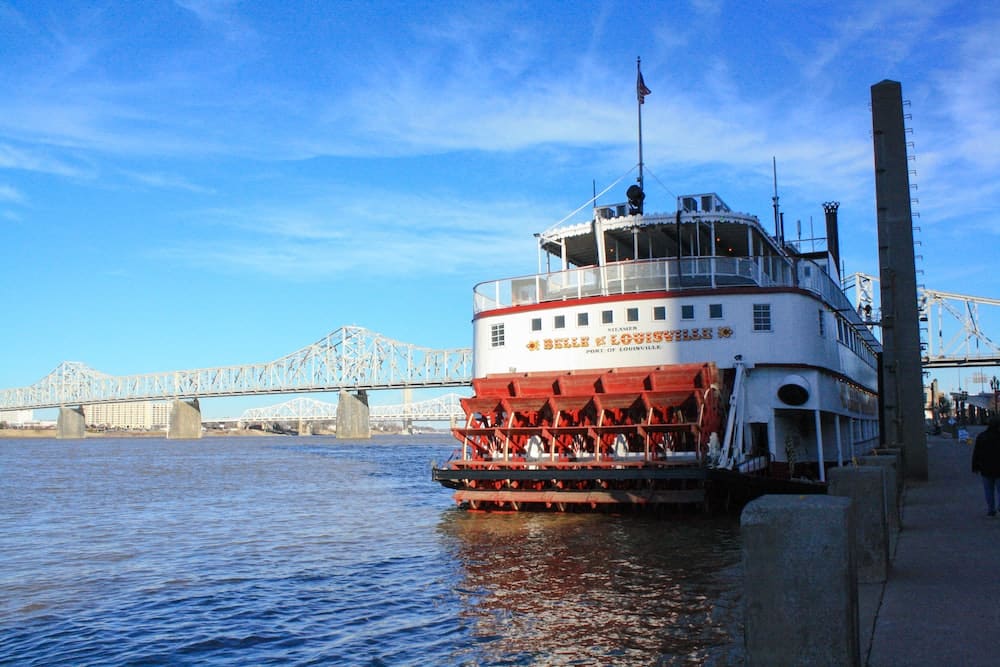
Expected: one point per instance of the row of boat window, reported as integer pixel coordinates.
(848, 335)
(761, 319)
(631, 315)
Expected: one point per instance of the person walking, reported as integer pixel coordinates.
(986, 461)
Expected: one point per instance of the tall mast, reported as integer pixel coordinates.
(779, 232)
(636, 195)
(640, 92)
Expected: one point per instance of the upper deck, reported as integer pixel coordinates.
(702, 226)
(703, 245)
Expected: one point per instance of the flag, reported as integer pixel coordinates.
(641, 90)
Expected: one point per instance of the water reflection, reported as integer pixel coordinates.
(598, 589)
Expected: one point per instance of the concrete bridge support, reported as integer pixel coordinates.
(71, 424)
(353, 415)
(185, 420)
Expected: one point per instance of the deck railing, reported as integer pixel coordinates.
(632, 277)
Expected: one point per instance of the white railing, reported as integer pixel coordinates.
(633, 277)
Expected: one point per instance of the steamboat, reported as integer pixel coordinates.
(689, 358)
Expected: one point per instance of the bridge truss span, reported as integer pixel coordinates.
(952, 331)
(350, 358)
(440, 408)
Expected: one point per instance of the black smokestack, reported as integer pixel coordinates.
(832, 235)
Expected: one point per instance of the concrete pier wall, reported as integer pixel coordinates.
(800, 581)
(185, 420)
(70, 425)
(353, 415)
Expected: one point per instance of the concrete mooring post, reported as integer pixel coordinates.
(890, 465)
(866, 487)
(185, 420)
(70, 425)
(800, 588)
(895, 453)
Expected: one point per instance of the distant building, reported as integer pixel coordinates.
(140, 415)
(17, 417)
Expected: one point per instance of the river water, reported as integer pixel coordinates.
(314, 551)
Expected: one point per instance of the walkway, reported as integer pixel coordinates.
(941, 603)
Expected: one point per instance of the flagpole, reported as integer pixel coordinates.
(639, 95)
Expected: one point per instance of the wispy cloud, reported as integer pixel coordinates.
(220, 15)
(42, 160)
(327, 238)
(969, 92)
(9, 194)
(168, 182)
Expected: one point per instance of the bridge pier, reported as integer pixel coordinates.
(71, 424)
(305, 428)
(185, 420)
(353, 415)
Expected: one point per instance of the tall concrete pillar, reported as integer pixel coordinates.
(71, 424)
(353, 415)
(407, 410)
(800, 589)
(185, 420)
(901, 371)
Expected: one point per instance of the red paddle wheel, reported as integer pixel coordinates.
(585, 438)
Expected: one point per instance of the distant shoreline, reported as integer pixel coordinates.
(51, 433)
(25, 433)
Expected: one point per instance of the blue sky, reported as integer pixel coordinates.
(200, 183)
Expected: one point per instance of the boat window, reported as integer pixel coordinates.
(560, 321)
(715, 310)
(536, 324)
(632, 314)
(687, 312)
(762, 317)
(607, 317)
(496, 335)
(582, 319)
(659, 312)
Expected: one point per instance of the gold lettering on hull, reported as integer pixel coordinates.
(630, 340)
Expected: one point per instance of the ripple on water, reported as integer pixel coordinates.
(307, 551)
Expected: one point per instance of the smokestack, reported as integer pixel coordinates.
(832, 235)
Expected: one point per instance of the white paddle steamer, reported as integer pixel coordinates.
(668, 359)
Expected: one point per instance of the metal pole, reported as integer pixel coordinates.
(819, 446)
(640, 95)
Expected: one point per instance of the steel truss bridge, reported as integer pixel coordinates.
(441, 408)
(349, 359)
(965, 344)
